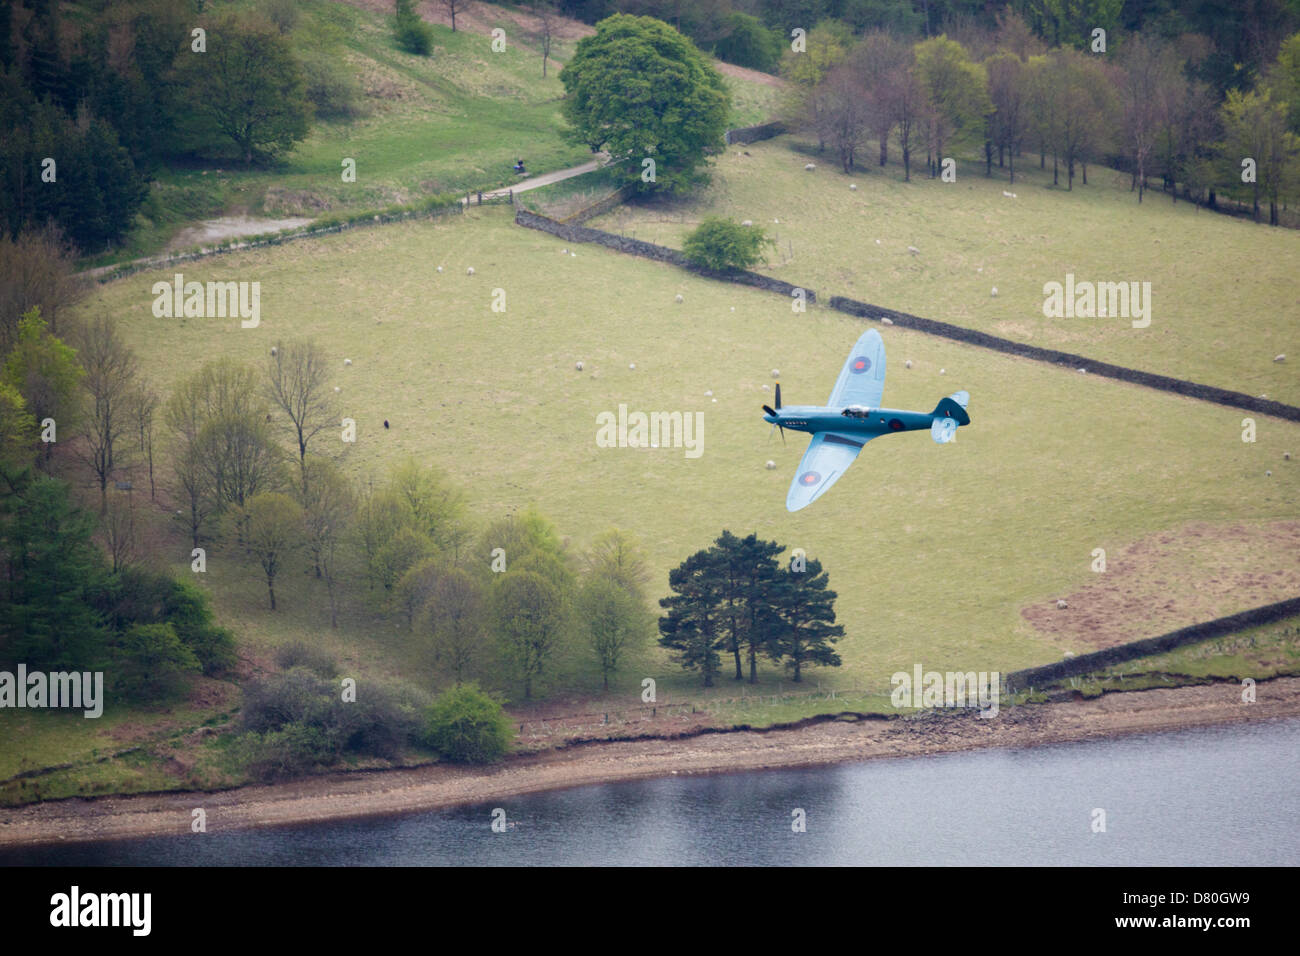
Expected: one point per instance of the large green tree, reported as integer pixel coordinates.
(804, 607)
(641, 90)
(246, 89)
(694, 627)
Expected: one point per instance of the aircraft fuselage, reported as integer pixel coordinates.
(876, 421)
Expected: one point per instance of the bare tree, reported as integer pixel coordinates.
(143, 406)
(544, 11)
(452, 6)
(118, 526)
(874, 61)
(455, 618)
(1145, 71)
(36, 269)
(110, 386)
(329, 504)
(298, 383)
(842, 117)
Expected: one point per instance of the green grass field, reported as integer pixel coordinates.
(1225, 291)
(934, 550)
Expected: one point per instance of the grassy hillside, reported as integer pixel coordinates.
(456, 120)
(934, 550)
(1225, 292)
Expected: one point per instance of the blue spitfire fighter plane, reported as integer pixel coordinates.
(851, 418)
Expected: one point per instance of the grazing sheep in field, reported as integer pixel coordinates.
(748, 222)
(776, 373)
(439, 268)
(578, 366)
(886, 321)
(994, 293)
(1060, 604)
(1286, 455)
(1279, 358)
(469, 271)
(337, 389)
(943, 371)
(274, 350)
(770, 465)
(809, 167)
(347, 361)
(853, 186)
(631, 365)
(680, 300)
(913, 250)
(907, 364)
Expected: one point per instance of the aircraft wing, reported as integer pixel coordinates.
(828, 456)
(862, 380)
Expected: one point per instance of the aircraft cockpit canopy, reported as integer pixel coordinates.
(856, 411)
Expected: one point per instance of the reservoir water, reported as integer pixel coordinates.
(1208, 796)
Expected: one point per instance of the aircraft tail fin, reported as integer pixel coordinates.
(954, 407)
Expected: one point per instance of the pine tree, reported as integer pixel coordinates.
(694, 627)
(805, 631)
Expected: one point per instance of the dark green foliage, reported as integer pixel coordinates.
(641, 90)
(411, 33)
(466, 725)
(246, 91)
(693, 628)
(151, 663)
(53, 576)
(736, 596)
(722, 245)
(746, 41)
(139, 596)
(805, 631)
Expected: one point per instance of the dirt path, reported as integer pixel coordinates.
(340, 796)
(546, 179)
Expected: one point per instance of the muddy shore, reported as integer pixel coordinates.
(344, 795)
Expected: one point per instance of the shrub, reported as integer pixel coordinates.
(465, 725)
(412, 34)
(300, 654)
(153, 663)
(293, 750)
(724, 246)
(332, 88)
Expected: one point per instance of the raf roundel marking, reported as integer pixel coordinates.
(896, 424)
(810, 478)
(860, 365)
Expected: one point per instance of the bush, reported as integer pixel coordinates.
(465, 725)
(294, 750)
(748, 42)
(300, 654)
(332, 88)
(153, 663)
(412, 34)
(723, 246)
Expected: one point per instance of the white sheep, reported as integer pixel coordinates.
(578, 366)
(853, 187)
(809, 167)
(776, 373)
(469, 271)
(337, 389)
(274, 350)
(770, 464)
(913, 250)
(1286, 455)
(631, 365)
(886, 321)
(994, 293)
(1268, 474)
(748, 222)
(1060, 604)
(680, 300)
(765, 388)
(439, 268)
(708, 393)
(1069, 654)
(907, 364)
(943, 371)
(347, 361)
(1279, 358)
